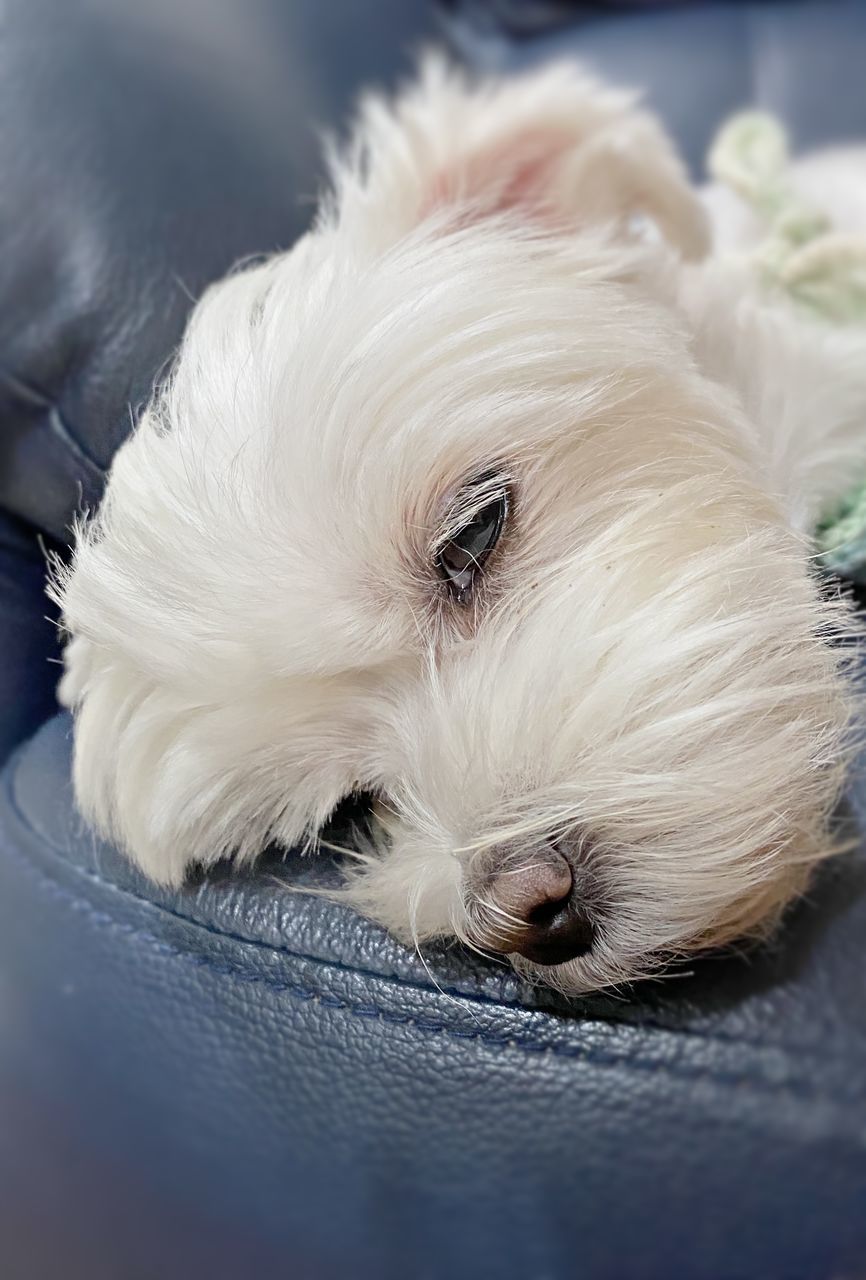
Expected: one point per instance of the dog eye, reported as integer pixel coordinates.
(462, 557)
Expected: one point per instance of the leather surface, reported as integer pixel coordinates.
(241, 1079)
(28, 641)
(276, 1080)
(147, 149)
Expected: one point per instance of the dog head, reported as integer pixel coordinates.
(438, 506)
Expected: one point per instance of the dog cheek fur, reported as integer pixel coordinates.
(177, 783)
(190, 745)
(685, 706)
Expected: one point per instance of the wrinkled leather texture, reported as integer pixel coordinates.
(275, 1079)
(147, 149)
(240, 1078)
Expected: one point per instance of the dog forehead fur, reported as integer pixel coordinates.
(257, 625)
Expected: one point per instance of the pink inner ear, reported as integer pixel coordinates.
(515, 174)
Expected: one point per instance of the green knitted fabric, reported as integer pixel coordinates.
(803, 259)
(841, 538)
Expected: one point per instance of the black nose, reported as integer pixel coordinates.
(557, 931)
(539, 911)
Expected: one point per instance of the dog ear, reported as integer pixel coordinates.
(552, 147)
(177, 782)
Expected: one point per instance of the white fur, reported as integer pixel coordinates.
(256, 625)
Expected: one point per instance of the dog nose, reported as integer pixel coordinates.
(547, 922)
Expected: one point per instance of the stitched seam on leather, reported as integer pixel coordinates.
(795, 1088)
(471, 991)
(468, 993)
(478, 994)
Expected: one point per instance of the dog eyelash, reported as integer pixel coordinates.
(474, 528)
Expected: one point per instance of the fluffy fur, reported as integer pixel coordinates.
(647, 671)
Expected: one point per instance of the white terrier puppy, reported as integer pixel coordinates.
(481, 502)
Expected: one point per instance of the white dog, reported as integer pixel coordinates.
(483, 502)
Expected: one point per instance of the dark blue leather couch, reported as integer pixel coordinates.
(235, 1081)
